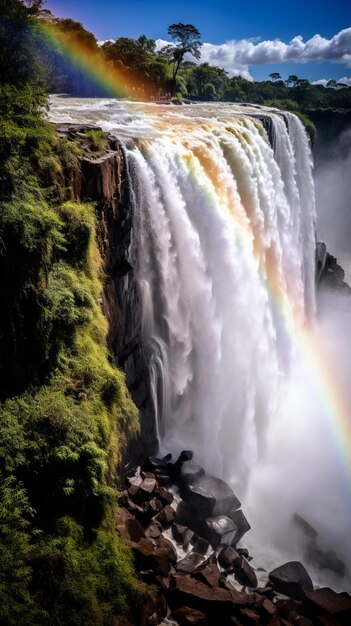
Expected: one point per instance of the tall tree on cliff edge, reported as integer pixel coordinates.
(186, 38)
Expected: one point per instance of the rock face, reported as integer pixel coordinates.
(292, 580)
(102, 179)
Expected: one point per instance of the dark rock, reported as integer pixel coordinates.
(266, 591)
(200, 544)
(143, 551)
(134, 480)
(244, 573)
(122, 517)
(185, 616)
(190, 472)
(189, 563)
(188, 535)
(266, 610)
(215, 603)
(165, 496)
(225, 500)
(228, 557)
(166, 516)
(199, 500)
(241, 525)
(130, 469)
(292, 580)
(161, 561)
(248, 617)
(134, 529)
(164, 480)
(147, 474)
(221, 530)
(244, 552)
(210, 575)
(325, 601)
(152, 463)
(186, 455)
(304, 526)
(167, 458)
(155, 506)
(325, 559)
(178, 532)
(154, 530)
(185, 516)
(164, 543)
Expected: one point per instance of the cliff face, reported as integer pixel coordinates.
(102, 179)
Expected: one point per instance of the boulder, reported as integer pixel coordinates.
(161, 561)
(200, 501)
(221, 530)
(185, 616)
(190, 472)
(153, 463)
(189, 563)
(225, 499)
(166, 516)
(134, 529)
(210, 575)
(228, 557)
(304, 526)
(154, 530)
(325, 601)
(292, 580)
(200, 544)
(248, 617)
(325, 559)
(241, 524)
(148, 485)
(185, 455)
(165, 496)
(162, 542)
(178, 532)
(244, 573)
(164, 480)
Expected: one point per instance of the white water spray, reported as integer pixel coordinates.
(225, 237)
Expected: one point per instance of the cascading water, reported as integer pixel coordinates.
(224, 234)
(226, 257)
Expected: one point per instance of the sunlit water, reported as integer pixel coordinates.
(224, 229)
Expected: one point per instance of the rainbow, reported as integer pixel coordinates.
(330, 389)
(115, 82)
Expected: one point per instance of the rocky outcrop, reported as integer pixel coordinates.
(102, 178)
(214, 585)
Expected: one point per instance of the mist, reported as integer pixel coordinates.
(307, 470)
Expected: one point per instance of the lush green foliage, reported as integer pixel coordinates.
(98, 140)
(65, 411)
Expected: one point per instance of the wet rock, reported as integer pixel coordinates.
(165, 496)
(210, 575)
(166, 516)
(189, 563)
(161, 561)
(154, 530)
(167, 458)
(178, 532)
(152, 464)
(164, 480)
(130, 469)
(185, 616)
(228, 557)
(122, 517)
(200, 544)
(248, 617)
(215, 603)
(186, 455)
(244, 552)
(155, 506)
(190, 472)
(225, 499)
(244, 573)
(164, 543)
(241, 525)
(292, 580)
(221, 530)
(200, 501)
(325, 601)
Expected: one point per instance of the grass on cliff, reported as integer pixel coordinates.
(65, 412)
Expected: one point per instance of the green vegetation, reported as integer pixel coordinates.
(98, 140)
(65, 412)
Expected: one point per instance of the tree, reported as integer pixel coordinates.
(186, 38)
(275, 76)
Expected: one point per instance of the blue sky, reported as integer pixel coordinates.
(250, 24)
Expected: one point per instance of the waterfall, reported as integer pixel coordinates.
(225, 246)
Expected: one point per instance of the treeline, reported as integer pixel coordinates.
(151, 73)
(64, 409)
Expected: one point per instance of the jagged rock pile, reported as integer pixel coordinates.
(186, 547)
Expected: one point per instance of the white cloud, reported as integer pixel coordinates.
(236, 56)
(346, 80)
